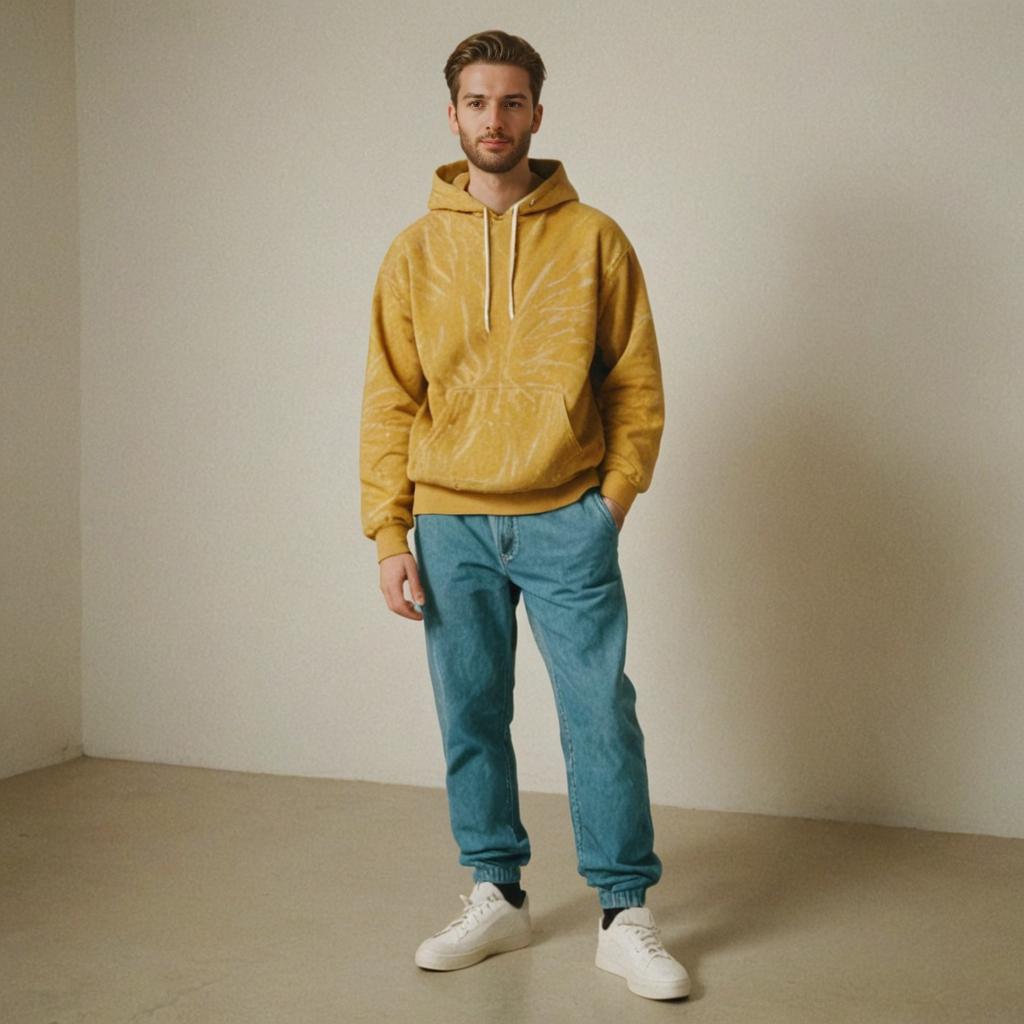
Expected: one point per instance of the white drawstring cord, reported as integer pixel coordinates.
(487, 274)
(487, 266)
(512, 260)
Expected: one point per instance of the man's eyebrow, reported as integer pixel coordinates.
(507, 96)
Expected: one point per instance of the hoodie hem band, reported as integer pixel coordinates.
(431, 498)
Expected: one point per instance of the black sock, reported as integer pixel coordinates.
(512, 892)
(609, 915)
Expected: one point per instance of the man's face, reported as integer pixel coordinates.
(495, 116)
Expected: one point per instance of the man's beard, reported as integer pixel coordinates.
(495, 163)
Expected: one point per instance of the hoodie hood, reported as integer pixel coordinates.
(448, 189)
(448, 192)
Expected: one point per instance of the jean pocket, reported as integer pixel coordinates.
(605, 511)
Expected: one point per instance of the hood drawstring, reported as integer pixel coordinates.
(487, 266)
(512, 260)
(487, 274)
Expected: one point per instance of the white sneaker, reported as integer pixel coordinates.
(631, 948)
(488, 924)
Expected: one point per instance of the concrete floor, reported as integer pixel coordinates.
(133, 892)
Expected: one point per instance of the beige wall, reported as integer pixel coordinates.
(40, 539)
(825, 577)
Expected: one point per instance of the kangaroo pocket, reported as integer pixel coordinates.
(499, 439)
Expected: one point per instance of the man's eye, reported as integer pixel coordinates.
(514, 103)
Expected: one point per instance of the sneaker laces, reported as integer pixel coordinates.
(649, 939)
(471, 912)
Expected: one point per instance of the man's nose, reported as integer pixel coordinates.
(495, 118)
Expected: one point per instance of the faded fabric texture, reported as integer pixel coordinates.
(512, 361)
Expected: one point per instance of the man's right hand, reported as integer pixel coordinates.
(394, 571)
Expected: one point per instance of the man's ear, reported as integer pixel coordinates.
(453, 120)
(538, 113)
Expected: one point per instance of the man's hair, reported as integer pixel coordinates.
(494, 47)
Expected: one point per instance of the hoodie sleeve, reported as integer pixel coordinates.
(631, 397)
(393, 391)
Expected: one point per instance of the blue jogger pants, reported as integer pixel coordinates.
(565, 563)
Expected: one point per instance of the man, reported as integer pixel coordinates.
(513, 409)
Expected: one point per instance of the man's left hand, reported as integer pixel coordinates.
(617, 511)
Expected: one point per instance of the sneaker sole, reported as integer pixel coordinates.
(454, 961)
(646, 988)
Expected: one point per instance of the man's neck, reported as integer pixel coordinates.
(500, 191)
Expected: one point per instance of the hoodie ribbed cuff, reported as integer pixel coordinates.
(391, 540)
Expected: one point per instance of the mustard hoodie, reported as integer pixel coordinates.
(512, 362)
